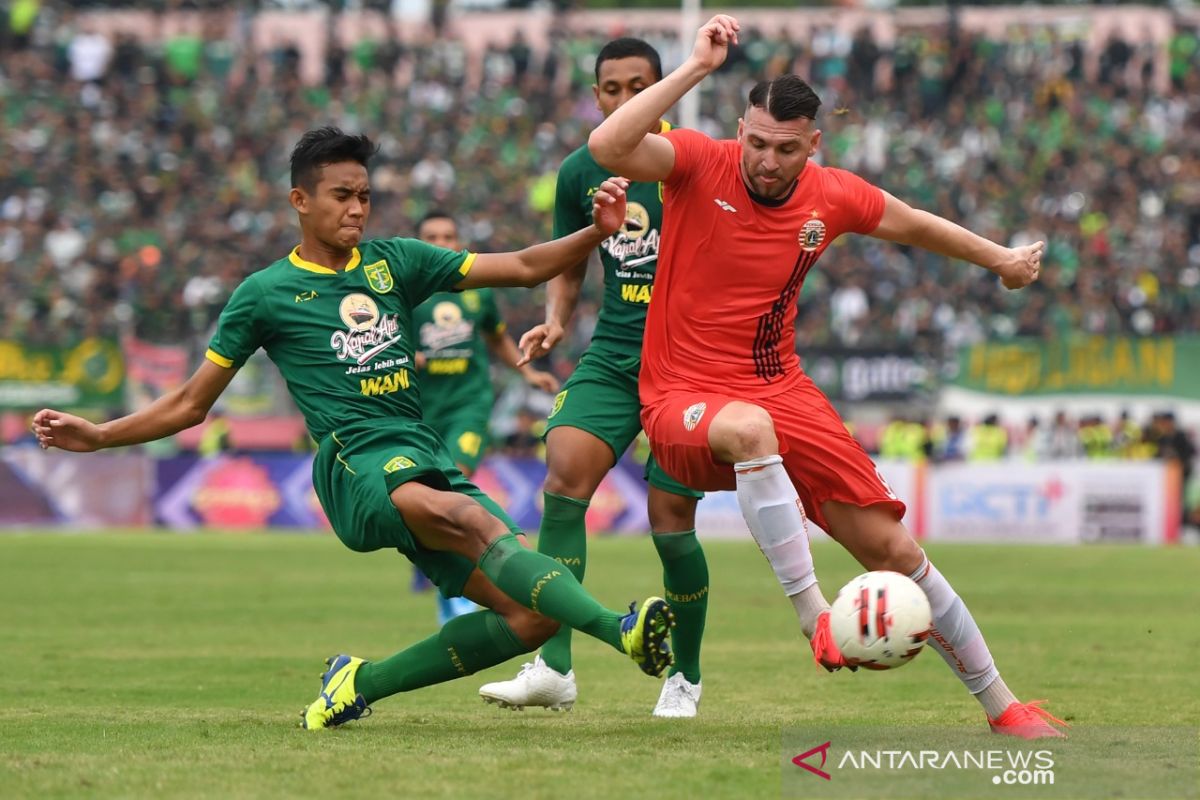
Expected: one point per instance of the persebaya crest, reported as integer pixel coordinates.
(379, 277)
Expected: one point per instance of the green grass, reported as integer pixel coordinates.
(166, 665)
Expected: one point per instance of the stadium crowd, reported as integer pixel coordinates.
(139, 183)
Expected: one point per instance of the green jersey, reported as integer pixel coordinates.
(341, 339)
(629, 256)
(449, 328)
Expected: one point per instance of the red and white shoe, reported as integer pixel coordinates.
(825, 652)
(1028, 721)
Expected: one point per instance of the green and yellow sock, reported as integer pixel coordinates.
(685, 577)
(538, 582)
(462, 647)
(563, 537)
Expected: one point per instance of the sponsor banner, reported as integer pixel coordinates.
(866, 374)
(718, 516)
(89, 374)
(1083, 365)
(75, 490)
(858, 761)
(236, 492)
(1057, 503)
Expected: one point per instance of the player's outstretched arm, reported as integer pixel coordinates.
(541, 262)
(178, 409)
(1016, 267)
(623, 144)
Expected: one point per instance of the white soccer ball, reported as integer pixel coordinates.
(880, 620)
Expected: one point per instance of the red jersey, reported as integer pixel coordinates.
(731, 266)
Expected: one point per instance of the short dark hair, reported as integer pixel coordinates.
(321, 147)
(628, 47)
(435, 213)
(786, 97)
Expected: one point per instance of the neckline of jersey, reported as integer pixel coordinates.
(297, 261)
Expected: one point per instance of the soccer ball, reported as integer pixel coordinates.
(880, 620)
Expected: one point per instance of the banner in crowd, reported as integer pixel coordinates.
(1083, 365)
(152, 370)
(865, 374)
(88, 374)
(76, 490)
(1055, 503)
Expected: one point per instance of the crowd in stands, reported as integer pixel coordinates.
(139, 183)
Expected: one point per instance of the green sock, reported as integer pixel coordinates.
(685, 577)
(539, 582)
(463, 646)
(563, 537)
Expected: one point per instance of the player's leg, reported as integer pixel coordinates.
(743, 434)
(576, 463)
(878, 540)
(672, 511)
(466, 437)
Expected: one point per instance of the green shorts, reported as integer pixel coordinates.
(357, 468)
(465, 435)
(601, 397)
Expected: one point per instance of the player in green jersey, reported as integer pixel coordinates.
(596, 416)
(334, 315)
(453, 332)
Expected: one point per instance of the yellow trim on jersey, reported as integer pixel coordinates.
(501, 328)
(467, 264)
(218, 359)
(297, 261)
(664, 126)
(338, 455)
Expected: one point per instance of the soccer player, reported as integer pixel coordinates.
(725, 402)
(334, 315)
(453, 332)
(596, 416)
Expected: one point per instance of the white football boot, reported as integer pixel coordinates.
(535, 685)
(679, 698)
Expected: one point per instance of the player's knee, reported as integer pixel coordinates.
(573, 477)
(895, 551)
(671, 513)
(742, 431)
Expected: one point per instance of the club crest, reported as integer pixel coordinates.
(379, 277)
(692, 415)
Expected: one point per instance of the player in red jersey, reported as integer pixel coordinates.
(725, 402)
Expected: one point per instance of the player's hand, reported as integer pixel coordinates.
(1022, 266)
(538, 341)
(541, 380)
(713, 40)
(608, 205)
(65, 431)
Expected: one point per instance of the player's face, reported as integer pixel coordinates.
(441, 232)
(336, 211)
(620, 79)
(774, 152)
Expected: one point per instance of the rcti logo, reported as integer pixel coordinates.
(1010, 501)
(823, 749)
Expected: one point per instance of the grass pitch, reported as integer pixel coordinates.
(175, 666)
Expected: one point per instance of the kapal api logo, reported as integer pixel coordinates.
(368, 333)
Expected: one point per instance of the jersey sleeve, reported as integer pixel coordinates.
(490, 321)
(240, 328)
(425, 268)
(568, 210)
(693, 152)
(858, 204)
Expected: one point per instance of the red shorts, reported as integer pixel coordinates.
(821, 457)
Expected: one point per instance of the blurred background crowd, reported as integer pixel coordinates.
(142, 179)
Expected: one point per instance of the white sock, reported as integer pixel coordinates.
(957, 637)
(775, 515)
